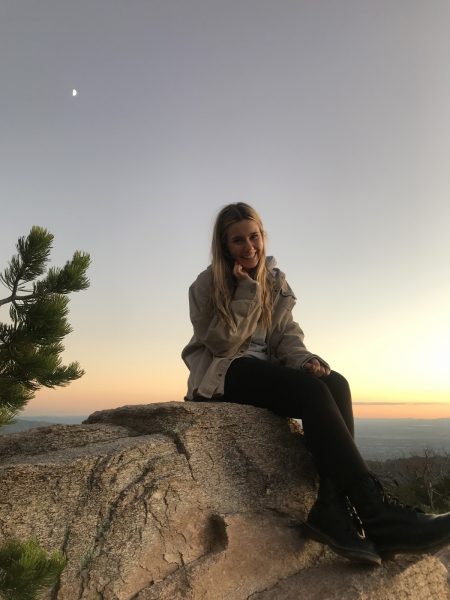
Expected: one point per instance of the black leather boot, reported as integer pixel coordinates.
(393, 526)
(333, 521)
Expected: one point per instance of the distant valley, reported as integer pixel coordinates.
(379, 439)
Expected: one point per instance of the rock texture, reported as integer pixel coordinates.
(183, 500)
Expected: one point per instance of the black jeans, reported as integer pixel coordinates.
(323, 403)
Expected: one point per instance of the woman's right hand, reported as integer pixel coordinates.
(316, 368)
(239, 272)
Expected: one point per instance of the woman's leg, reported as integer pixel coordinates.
(294, 393)
(340, 390)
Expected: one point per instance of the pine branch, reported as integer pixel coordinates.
(26, 570)
(71, 278)
(13, 398)
(32, 256)
(7, 413)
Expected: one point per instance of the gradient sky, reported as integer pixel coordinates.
(331, 118)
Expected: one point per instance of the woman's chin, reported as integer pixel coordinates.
(250, 269)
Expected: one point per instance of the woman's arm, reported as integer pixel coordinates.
(287, 340)
(210, 330)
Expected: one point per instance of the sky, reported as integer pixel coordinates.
(330, 118)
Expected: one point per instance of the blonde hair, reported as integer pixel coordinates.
(224, 283)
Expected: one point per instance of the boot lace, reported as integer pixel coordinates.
(392, 500)
(354, 523)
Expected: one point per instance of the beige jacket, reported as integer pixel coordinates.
(215, 345)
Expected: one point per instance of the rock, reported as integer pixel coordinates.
(444, 557)
(406, 578)
(184, 500)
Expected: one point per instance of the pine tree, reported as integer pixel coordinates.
(30, 349)
(26, 570)
(31, 344)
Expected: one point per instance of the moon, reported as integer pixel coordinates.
(74, 93)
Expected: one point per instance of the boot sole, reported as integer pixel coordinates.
(389, 552)
(360, 556)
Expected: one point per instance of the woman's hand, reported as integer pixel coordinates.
(239, 272)
(316, 368)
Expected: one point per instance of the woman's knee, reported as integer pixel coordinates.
(340, 390)
(337, 378)
(319, 404)
(300, 393)
(314, 389)
(337, 383)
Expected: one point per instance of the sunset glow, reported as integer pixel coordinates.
(330, 118)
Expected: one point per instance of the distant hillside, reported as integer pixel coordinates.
(22, 425)
(380, 439)
(33, 422)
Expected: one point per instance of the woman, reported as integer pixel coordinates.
(248, 349)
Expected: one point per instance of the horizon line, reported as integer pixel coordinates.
(401, 403)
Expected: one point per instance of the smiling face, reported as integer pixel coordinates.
(245, 243)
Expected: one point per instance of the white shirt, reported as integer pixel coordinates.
(258, 346)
